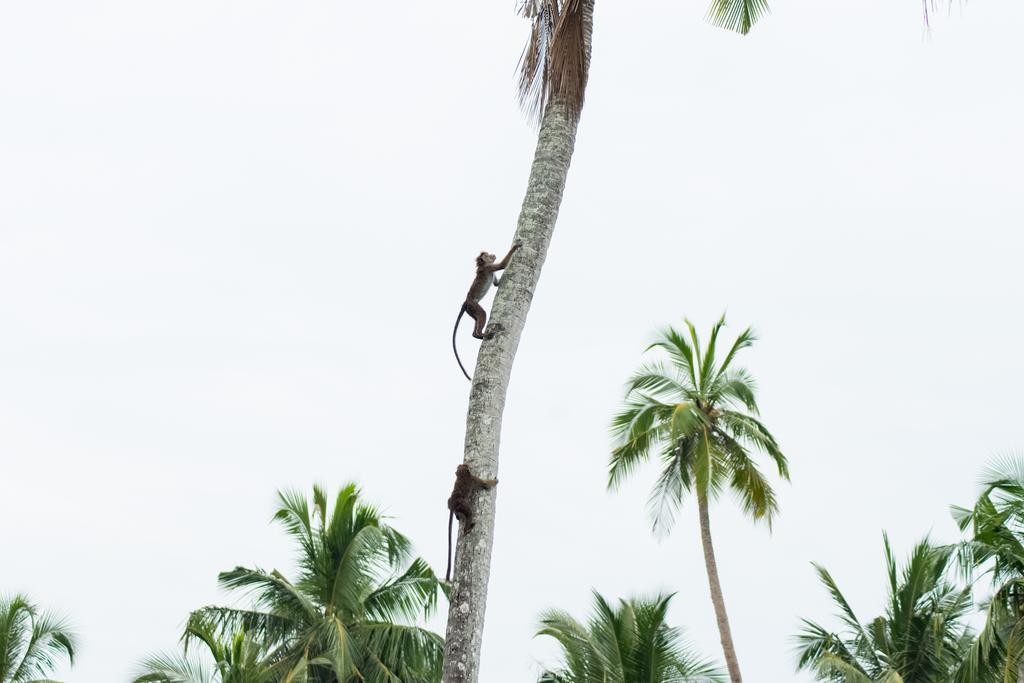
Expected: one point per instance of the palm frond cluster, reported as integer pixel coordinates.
(553, 65)
(631, 643)
(32, 641)
(994, 550)
(922, 636)
(351, 614)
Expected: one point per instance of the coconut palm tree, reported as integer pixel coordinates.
(236, 659)
(32, 642)
(554, 70)
(921, 638)
(351, 614)
(699, 414)
(995, 549)
(556, 77)
(630, 644)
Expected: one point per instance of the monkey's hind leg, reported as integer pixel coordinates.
(479, 315)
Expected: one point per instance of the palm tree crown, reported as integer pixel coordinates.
(701, 415)
(555, 60)
(630, 644)
(921, 638)
(351, 614)
(32, 642)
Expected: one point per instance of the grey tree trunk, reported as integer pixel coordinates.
(717, 599)
(472, 567)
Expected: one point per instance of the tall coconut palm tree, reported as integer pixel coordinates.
(561, 38)
(236, 659)
(32, 642)
(629, 644)
(700, 415)
(351, 614)
(554, 71)
(921, 638)
(995, 549)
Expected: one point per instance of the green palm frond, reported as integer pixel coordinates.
(298, 673)
(407, 597)
(611, 634)
(171, 668)
(707, 365)
(834, 667)
(574, 641)
(846, 613)
(704, 464)
(664, 501)
(745, 340)
(737, 15)
(735, 388)
(1006, 473)
(814, 642)
(661, 381)
(338, 647)
(32, 642)
(748, 430)
(354, 575)
(679, 351)
(641, 424)
(262, 626)
(755, 494)
(206, 631)
(413, 654)
(695, 345)
(271, 589)
(294, 514)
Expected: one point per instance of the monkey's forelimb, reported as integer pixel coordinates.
(455, 348)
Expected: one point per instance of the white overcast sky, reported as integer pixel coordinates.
(234, 236)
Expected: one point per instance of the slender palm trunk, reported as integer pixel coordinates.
(468, 600)
(717, 599)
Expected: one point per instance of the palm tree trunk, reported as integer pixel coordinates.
(717, 599)
(468, 600)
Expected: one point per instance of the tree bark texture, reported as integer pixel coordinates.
(717, 599)
(468, 600)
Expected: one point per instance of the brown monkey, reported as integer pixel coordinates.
(485, 277)
(460, 505)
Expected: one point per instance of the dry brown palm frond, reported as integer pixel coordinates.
(534, 64)
(568, 58)
(553, 65)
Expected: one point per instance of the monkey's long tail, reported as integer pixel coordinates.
(456, 350)
(448, 572)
